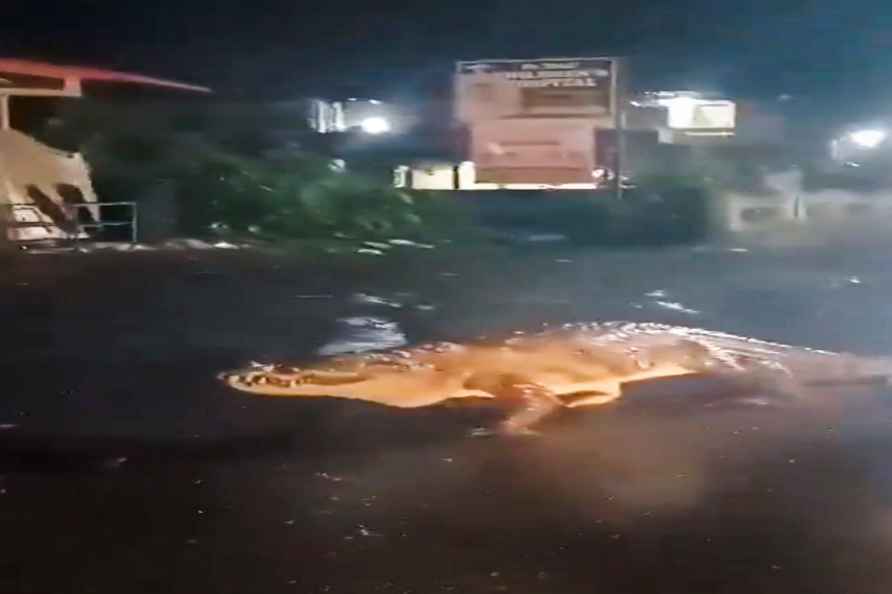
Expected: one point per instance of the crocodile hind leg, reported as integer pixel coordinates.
(535, 402)
(527, 404)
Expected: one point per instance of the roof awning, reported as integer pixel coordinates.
(26, 77)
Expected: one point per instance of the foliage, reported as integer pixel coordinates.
(225, 180)
(301, 197)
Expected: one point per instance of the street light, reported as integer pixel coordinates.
(869, 138)
(375, 125)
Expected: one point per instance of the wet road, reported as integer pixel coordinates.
(126, 468)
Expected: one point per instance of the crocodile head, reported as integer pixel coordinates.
(384, 378)
(289, 381)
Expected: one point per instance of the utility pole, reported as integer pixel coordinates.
(5, 214)
(4, 112)
(619, 124)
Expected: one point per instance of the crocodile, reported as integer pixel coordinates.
(535, 374)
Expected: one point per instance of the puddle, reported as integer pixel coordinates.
(846, 282)
(676, 306)
(365, 333)
(367, 299)
(410, 243)
(376, 245)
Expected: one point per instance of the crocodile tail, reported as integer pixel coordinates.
(850, 370)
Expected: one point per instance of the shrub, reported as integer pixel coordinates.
(222, 180)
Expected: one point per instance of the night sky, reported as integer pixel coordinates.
(759, 47)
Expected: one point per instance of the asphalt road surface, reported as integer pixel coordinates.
(125, 467)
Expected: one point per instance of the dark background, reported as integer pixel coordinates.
(760, 48)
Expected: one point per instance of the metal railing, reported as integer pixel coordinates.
(131, 221)
(78, 229)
